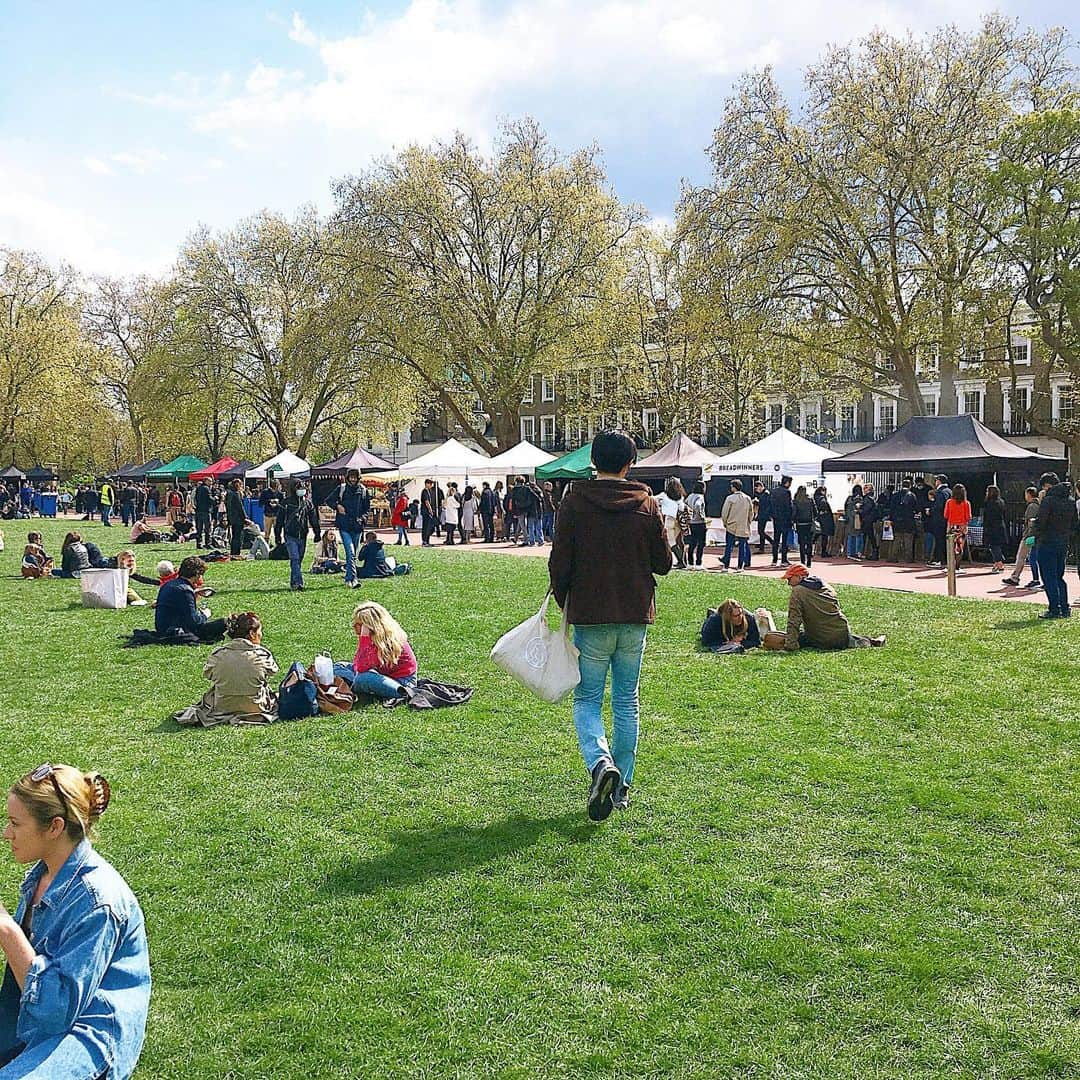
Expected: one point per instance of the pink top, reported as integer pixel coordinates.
(367, 659)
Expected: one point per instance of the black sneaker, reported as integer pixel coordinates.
(620, 798)
(605, 778)
(1033, 585)
(1048, 615)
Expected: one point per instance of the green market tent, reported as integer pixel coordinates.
(577, 465)
(178, 469)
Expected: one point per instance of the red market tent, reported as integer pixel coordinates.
(215, 470)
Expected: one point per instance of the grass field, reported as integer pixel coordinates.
(836, 865)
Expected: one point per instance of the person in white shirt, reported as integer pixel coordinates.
(736, 514)
(695, 503)
(672, 500)
(451, 512)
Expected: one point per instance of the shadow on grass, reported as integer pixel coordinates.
(1020, 624)
(433, 853)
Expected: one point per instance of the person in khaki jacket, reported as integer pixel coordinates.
(814, 617)
(736, 514)
(239, 673)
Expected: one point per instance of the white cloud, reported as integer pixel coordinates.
(139, 161)
(445, 64)
(97, 166)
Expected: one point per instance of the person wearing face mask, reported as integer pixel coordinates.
(352, 504)
(300, 517)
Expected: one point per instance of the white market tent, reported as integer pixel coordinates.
(283, 466)
(783, 453)
(452, 459)
(523, 458)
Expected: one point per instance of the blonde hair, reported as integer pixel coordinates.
(731, 627)
(86, 794)
(386, 634)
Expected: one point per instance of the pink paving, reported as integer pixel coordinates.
(978, 582)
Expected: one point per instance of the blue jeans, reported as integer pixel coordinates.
(403, 535)
(351, 542)
(105, 512)
(730, 540)
(151, 508)
(854, 544)
(297, 547)
(534, 530)
(1051, 555)
(371, 682)
(548, 522)
(618, 646)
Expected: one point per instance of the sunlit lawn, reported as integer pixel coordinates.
(836, 865)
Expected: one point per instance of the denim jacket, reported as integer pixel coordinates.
(90, 978)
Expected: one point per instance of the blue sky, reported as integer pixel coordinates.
(125, 125)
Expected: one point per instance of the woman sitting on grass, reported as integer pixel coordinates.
(730, 624)
(239, 672)
(74, 558)
(384, 663)
(36, 562)
(327, 556)
(77, 985)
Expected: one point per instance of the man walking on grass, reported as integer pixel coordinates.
(1053, 526)
(609, 542)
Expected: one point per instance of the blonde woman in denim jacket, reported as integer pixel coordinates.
(77, 983)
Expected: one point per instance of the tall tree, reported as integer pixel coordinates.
(487, 270)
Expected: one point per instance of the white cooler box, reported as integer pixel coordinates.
(104, 588)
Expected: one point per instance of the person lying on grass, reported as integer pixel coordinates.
(77, 985)
(239, 672)
(372, 560)
(730, 624)
(814, 616)
(384, 663)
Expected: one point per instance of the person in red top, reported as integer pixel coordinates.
(399, 519)
(384, 664)
(958, 509)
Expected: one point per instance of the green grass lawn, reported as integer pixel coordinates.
(858, 864)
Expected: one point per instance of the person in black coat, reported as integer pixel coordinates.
(204, 505)
(826, 519)
(764, 512)
(176, 607)
(783, 514)
(300, 517)
(235, 516)
(905, 509)
(994, 531)
(868, 518)
(488, 505)
(942, 494)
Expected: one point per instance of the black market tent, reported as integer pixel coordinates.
(943, 444)
(141, 472)
(40, 475)
(12, 473)
(360, 459)
(237, 472)
(577, 465)
(124, 472)
(680, 456)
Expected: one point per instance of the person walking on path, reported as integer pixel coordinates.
(1025, 553)
(782, 517)
(609, 542)
(1054, 524)
(235, 516)
(805, 518)
(272, 501)
(300, 517)
(825, 519)
(400, 520)
(352, 503)
(427, 513)
(736, 515)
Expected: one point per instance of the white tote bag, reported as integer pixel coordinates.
(543, 660)
(104, 588)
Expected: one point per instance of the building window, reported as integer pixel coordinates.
(528, 428)
(395, 442)
(1015, 421)
(972, 403)
(547, 432)
(929, 405)
(811, 419)
(1020, 352)
(547, 388)
(573, 431)
(527, 397)
(847, 423)
(970, 356)
(1064, 403)
(774, 416)
(650, 420)
(886, 417)
(597, 382)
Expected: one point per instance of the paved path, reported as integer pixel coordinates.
(978, 582)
